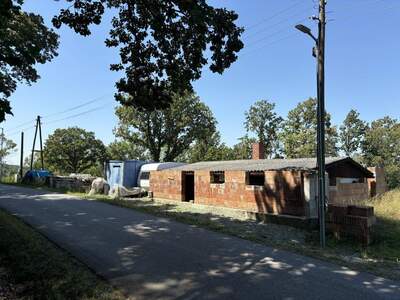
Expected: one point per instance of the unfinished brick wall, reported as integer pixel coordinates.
(166, 184)
(282, 192)
(351, 221)
(378, 184)
(348, 193)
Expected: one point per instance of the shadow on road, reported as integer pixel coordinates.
(156, 258)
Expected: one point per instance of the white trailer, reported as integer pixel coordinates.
(144, 173)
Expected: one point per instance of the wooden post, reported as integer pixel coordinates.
(21, 161)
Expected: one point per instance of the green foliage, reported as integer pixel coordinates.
(300, 132)
(381, 147)
(162, 44)
(167, 133)
(37, 164)
(24, 42)
(8, 147)
(209, 149)
(123, 150)
(352, 133)
(265, 123)
(244, 149)
(73, 150)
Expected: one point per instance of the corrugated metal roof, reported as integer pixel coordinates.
(258, 165)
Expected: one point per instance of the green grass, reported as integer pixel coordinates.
(43, 270)
(386, 243)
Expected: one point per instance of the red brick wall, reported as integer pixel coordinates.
(166, 184)
(351, 221)
(281, 194)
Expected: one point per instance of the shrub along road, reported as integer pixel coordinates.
(155, 258)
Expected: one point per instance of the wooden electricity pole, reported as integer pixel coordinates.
(38, 129)
(319, 53)
(21, 160)
(321, 120)
(2, 155)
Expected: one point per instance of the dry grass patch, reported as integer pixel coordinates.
(386, 233)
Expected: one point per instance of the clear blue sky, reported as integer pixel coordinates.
(362, 68)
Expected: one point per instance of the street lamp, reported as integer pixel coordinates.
(319, 53)
(306, 30)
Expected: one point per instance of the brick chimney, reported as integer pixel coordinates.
(258, 151)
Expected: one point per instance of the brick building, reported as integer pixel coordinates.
(276, 186)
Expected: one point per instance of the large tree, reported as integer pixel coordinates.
(265, 123)
(352, 133)
(381, 147)
(208, 149)
(244, 149)
(123, 150)
(163, 45)
(73, 150)
(7, 147)
(25, 42)
(299, 135)
(167, 133)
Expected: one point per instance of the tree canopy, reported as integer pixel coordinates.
(208, 149)
(162, 44)
(123, 150)
(352, 133)
(244, 149)
(8, 146)
(24, 42)
(166, 133)
(381, 147)
(265, 123)
(299, 136)
(73, 150)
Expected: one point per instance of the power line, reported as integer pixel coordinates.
(15, 132)
(268, 44)
(14, 129)
(78, 115)
(77, 106)
(22, 124)
(275, 24)
(275, 33)
(274, 15)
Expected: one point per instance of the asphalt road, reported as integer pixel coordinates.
(156, 258)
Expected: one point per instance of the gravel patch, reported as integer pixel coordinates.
(233, 221)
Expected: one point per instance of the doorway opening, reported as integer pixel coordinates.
(188, 186)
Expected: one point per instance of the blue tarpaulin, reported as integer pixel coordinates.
(34, 175)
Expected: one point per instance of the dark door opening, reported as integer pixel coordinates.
(188, 187)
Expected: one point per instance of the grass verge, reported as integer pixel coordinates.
(41, 270)
(387, 229)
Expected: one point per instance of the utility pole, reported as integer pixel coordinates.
(321, 120)
(21, 161)
(41, 144)
(1, 158)
(38, 128)
(319, 53)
